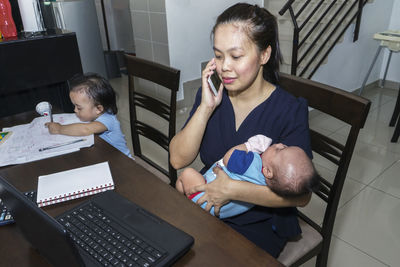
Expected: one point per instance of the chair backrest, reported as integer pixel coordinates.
(168, 80)
(347, 107)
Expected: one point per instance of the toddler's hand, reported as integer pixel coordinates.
(54, 127)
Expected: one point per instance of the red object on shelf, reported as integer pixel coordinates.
(7, 25)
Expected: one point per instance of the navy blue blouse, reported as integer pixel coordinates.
(283, 118)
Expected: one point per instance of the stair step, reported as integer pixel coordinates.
(286, 68)
(315, 18)
(285, 26)
(286, 30)
(287, 57)
(274, 6)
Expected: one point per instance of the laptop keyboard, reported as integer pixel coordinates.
(96, 233)
(5, 214)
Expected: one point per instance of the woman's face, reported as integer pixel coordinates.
(239, 62)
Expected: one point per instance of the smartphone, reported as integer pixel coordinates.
(214, 81)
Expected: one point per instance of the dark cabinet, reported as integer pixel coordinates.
(37, 69)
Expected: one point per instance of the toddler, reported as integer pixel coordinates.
(95, 103)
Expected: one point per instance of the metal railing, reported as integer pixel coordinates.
(334, 18)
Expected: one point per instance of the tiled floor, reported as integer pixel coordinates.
(367, 231)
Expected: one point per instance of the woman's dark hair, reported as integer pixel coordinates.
(262, 29)
(97, 88)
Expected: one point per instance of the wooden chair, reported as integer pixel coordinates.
(315, 239)
(166, 79)
(396, 117)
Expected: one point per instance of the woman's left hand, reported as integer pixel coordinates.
(215, 193)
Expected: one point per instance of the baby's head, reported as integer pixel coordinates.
(92, 95)
(288, 170)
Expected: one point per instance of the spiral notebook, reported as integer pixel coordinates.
(63, 186)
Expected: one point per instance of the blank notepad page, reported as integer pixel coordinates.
(75, 183)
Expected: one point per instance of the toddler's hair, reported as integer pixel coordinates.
(97, 88)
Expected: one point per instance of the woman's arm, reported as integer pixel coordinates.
(185, 145)
(76, 129)
(263, 196)
(224, 189)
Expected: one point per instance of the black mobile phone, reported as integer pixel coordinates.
(214, 81)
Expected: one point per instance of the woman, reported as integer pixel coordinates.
(247, 58)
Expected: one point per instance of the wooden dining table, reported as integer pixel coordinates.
(216, 244)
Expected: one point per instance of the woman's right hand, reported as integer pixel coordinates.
(216, 193)
(207, 96)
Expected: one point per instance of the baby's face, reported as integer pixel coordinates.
(288, 159)
(84, 106)
(273, 153)
(277, 155)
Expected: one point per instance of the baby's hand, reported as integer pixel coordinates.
(54, 127)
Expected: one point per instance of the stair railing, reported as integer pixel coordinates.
(297, 43)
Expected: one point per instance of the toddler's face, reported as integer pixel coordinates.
(84, 106)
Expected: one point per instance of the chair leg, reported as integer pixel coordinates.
(386, 69)
(396, 110)
(396, 132)
(370, 69)
(322, 258)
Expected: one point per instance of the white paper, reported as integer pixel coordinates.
(25, 141)
(74, 183)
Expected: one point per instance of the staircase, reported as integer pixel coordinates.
(316, 26)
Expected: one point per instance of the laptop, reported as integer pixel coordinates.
(105, 230)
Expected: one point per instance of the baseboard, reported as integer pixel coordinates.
(391, 84)
(366, 88)
(378, 83)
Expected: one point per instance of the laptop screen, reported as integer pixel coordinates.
(43, 232)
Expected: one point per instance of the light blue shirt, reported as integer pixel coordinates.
(113, 135)
(242, 166)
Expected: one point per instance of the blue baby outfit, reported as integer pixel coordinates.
(242, 166)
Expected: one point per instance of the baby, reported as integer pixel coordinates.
(286, 170)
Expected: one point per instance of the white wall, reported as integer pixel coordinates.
(349, 62)
(189, 24)
(393, 73)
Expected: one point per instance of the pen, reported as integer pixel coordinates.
(63, 144)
